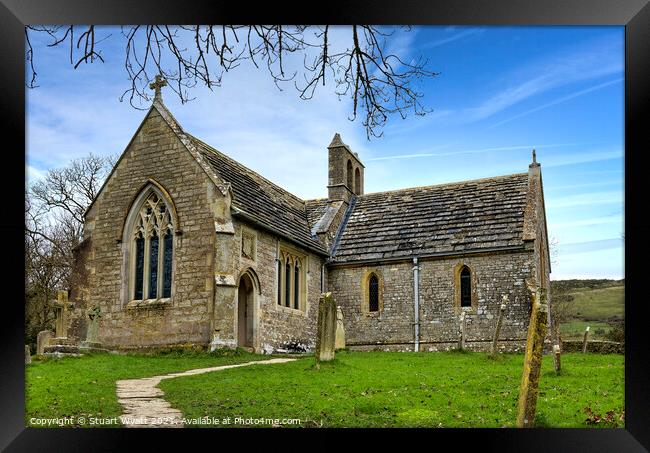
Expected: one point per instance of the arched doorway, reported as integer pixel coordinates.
(245, 312)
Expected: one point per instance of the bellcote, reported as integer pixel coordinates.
(345, 171)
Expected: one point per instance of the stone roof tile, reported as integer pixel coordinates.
(448, 218)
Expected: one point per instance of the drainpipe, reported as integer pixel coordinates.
(416, 303)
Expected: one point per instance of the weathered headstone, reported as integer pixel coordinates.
(556, 358)
(497, 331)
(339, 342)
(42, 340)
(585, 340)
(93, 325)
(28, 355)
(61, 306)
(461, 331)
(532, 361)
(61, 344)
(326, 328)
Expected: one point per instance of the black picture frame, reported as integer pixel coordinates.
(633, 14)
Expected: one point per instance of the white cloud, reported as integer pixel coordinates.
(582, 62)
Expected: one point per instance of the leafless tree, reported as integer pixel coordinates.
(378, 82)
(54, 209)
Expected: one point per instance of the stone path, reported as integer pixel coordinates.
(143, 403)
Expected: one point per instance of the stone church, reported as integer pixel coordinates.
(183, 245)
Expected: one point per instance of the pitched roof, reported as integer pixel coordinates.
(315, 210)
(261, 200)
(442, 219)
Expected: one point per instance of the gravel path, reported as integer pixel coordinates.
(143, 403)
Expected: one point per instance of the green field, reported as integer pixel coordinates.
(599, 304)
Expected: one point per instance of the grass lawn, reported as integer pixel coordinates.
(379, 389)
(85, 386)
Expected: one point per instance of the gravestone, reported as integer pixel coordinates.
(461, 331)
(326, 328)
(61, 344)
(92, 339)
(497, 332)
(585, 340)
(339, 342)
(28, 355)
(556, 358)
(528, 390)
(42, 340)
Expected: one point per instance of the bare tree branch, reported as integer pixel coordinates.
(378, 83)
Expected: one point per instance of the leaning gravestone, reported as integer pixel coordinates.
(528, 390)
(28, 355)
(339, 343)
(42, 340)
(326, 333)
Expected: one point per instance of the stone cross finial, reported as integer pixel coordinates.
(157, 85)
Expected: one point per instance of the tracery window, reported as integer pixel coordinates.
(152, 248)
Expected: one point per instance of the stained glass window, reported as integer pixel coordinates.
(139, 266)
(152, 250)
(167, 265)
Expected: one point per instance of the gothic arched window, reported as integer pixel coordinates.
(465, 287)
(150, 248)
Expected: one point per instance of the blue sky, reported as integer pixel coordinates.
(501, 92)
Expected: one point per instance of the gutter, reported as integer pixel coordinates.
(441, 255)
(416, 304)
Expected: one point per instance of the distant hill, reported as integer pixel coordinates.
(570, 285)
(599, 304)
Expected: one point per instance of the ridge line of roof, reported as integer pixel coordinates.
(457, 183)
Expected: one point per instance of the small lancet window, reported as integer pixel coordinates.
(279, 282)
(373, 293)
(296, 286)
(287, 284)
(465, 287)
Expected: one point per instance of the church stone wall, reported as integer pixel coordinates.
(278, 328)
(154, 153)
(494, 276)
